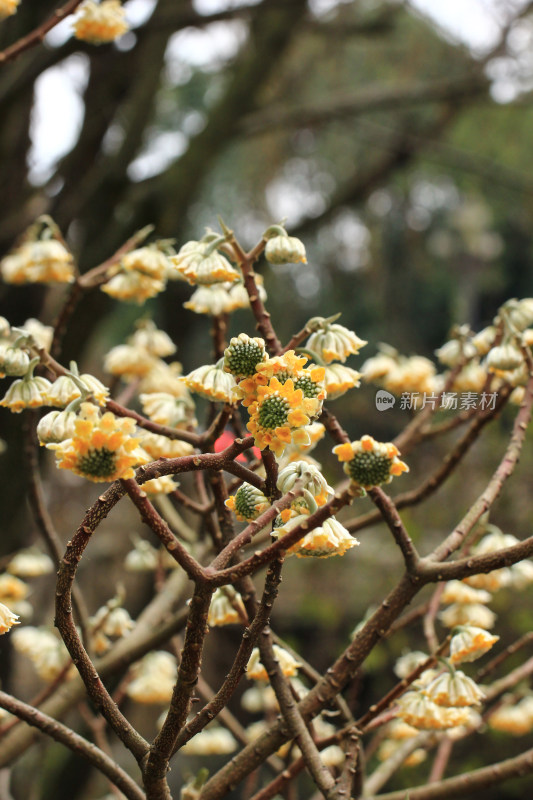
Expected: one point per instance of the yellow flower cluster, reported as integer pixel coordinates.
(99, 23)
(370, 463)
(102, 448)
(282, 398)
(8, 7)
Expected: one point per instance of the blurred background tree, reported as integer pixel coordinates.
(400, 156)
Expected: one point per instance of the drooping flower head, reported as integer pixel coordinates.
(256, 671)
(329, 539)
(102, 448)
(334, 342)
(284, 249)
(133, 287)
(469, 643)
(339, 379)
(7, 619)
(100, 23)
(28, 392)
(199, 262)
(38, 261)
(226, 608)
(370, 463)
(8, 7)
(212, 382)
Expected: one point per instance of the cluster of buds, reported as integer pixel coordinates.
(369, 463)
(41, 257)
(100, 23)
(141, 273)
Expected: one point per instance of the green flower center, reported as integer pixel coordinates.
(99, 463)
(283, 376)
(309, 387)
(274, 412)
(370, 469)
(246, 500)
(242, 359)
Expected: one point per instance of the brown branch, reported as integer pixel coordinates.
(161, 749)
(248, 641)
(494, 487)
(337, 676)
(293, 720)
(467, 784)
(37, 35)
(390, 514)
(494, 663)
(65, 623)
(161, 529)
(56, 730)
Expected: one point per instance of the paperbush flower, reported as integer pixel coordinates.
(504, 357)
(226, 608)
(166, 409)
(13, 361)
(158, 446)
(468, 614)
(199, 263)
(129, 361)
(65, 389)
(44, 261)
(389, 747)
(133, 286)
(415, 375)
(7, 619)
(154, 678)
(8, 7)
(310, 477)
(28, 392)
(335, 343)
(212, 382)
(47, 653)
(454, 689)
(210, 742)
(30, 564)
(460, 592)
(511, 719)
(277, 417)
(370, 463)
(162, 485)
(329, 539)
(256, 671)
(248, 502)
(223, 298)
(103, 448)
(149, 338)
(56, 426)
(164, 378)
(285, 249)
(143, 557)
(469, 642)
(99, 23)
(418, 710)
(41, 334)
(339, 379)
(149, 260)
(243, 355)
